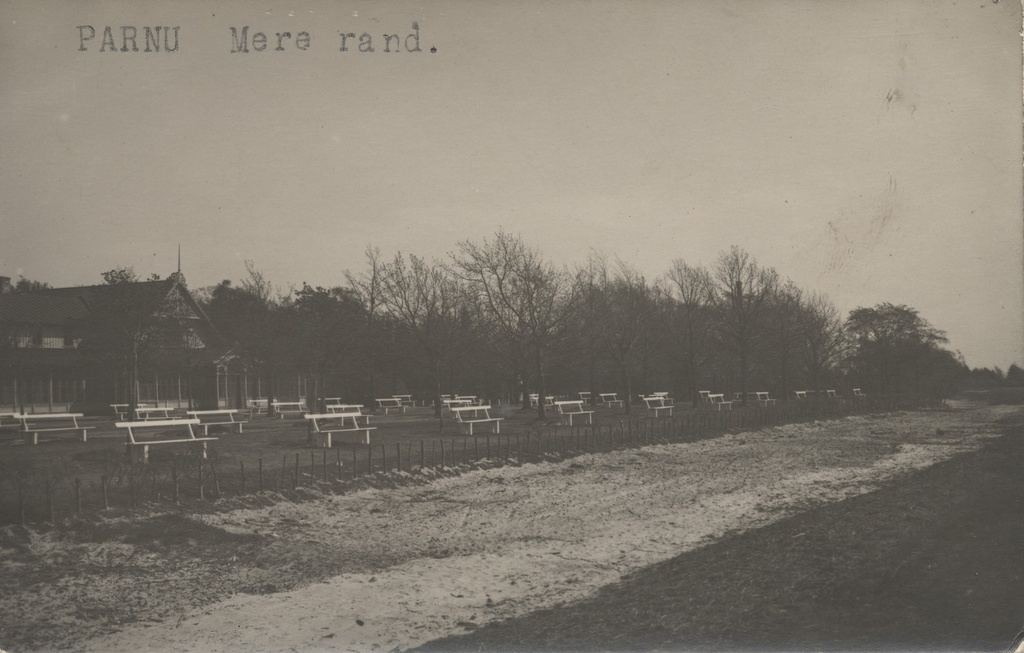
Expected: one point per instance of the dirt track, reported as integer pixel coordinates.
(412, 564)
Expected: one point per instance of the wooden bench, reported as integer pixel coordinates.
(470, 415)
(718, 402)
(226, 418)
(569, 409)
(327, 424)
(36, 423)
(138, 449)
(610, 399)
(388, 403)
(283, 408)
(657, 405)
(145, 413)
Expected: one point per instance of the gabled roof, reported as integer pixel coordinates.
(33, 308)
(61, 305)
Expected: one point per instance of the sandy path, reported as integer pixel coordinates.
(502, 542)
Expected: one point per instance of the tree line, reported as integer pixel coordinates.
(498, 319)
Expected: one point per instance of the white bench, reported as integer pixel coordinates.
(858, 393)
(390, 402)
(657, 405)
(226, 418)
(327, 424)
(570, 409)
(610, 399)
(36, 423)
(121, 410)
(144, 413)
(405, 399)
(470, 415)
(762, 399)
(346, 408)
(258, 407)
(549, 400)
(718, 402)
(13, 417)
(800, 394)
(664, 395)
(138, 449)
(831, 394)
(283, 408)
(455, 403)
(585, 397)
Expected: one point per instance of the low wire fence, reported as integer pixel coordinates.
(186, 480)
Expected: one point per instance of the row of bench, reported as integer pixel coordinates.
(341, 418)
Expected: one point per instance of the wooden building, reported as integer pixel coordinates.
(82, 348)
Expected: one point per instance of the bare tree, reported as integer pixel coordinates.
(528, 299)
(823, 337)
(626, 306)
(426, 300)
(783, 332)
(369, 288)
(692, 320)
(743, 290)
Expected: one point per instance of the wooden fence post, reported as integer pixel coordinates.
(216, 481)
(21, 500)
(49, 501)
(131, 483)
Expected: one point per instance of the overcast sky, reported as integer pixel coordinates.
(867, 150)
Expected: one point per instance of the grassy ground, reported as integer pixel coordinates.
(60, 474)
(932, 563)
